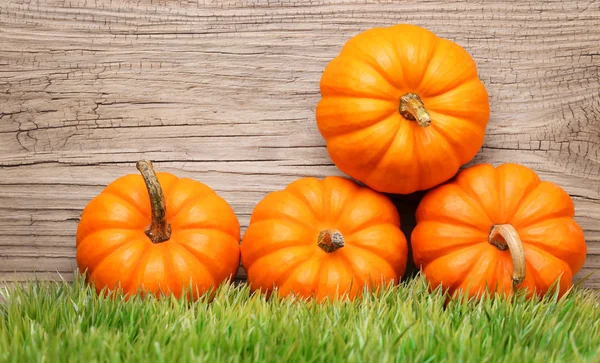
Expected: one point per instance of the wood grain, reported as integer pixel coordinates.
(225, 92)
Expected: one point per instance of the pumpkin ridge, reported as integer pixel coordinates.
(538, 219)
(326, 200)
(530, 188)
(538, 275)
(533, 274)
(474, 77)
(135, 206)
(270, 249)
(108, 223)
(202, 230)
(504, 271)
(173, 272)
(453, 249)
(318, 277)
(286, 218)
(455, 119)
(124, 284)
(264, 256)
(348, 206)
(369, 223)
(554, 220)
(169, 271)
(465, 271)
(381, 149)
(206, 262)
(285, 275)
(287, 272)
(92, 269)
(542, 251)
(196, 197)
(200, 225)
(312, 283)
(367, 60)
(468, 269)
(321, 282)
(448, 145)
(140, 269)
(300, 197)
(126, 241)
(356, 279)
(453, 111)
(454, 146)
(356, 93)
(501, 273)
(456, 83)
(500, 206)
(447, 219)
(351, 241)
(416, 179)
(261, 213)
(328, 190)
(371, 123)
(476, 204)
(121, 226)
(388, 148)
(493, 269)
(401, 59)
(367, 250)
(480, 262)
(535, 247)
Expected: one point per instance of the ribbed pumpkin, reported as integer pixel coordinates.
(500, 228)
(402, 109)
(325, 238)
(158, 233)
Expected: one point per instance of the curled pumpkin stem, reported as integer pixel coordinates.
(504, 236)
(330, 240)
(159, 229)
(412, 108)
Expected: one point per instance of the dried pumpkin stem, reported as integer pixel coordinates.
(330, 240)
(412, 108)
(505, 236)
(159, 230)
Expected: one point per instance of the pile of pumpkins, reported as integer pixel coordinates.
(401, 111)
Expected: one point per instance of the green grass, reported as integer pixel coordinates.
(56, 322)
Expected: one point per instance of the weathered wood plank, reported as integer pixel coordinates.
(225, 92)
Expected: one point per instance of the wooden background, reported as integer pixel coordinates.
(225, 92)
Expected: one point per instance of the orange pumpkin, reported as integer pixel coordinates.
(402, 109)
(325, 239)
(158, 234)
(500, 228)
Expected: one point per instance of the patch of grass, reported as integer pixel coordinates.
(56, 322)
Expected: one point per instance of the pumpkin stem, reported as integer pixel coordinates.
(330, 240)
(159, 230)
(505, 236)
(412, 108)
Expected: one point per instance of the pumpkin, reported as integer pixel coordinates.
(323, 239)
(401, 109)
(498, 228)
(158, 234)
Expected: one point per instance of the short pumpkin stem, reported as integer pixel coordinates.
(412, 108)
(159, 230)
(330, 240)
(505, 236)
